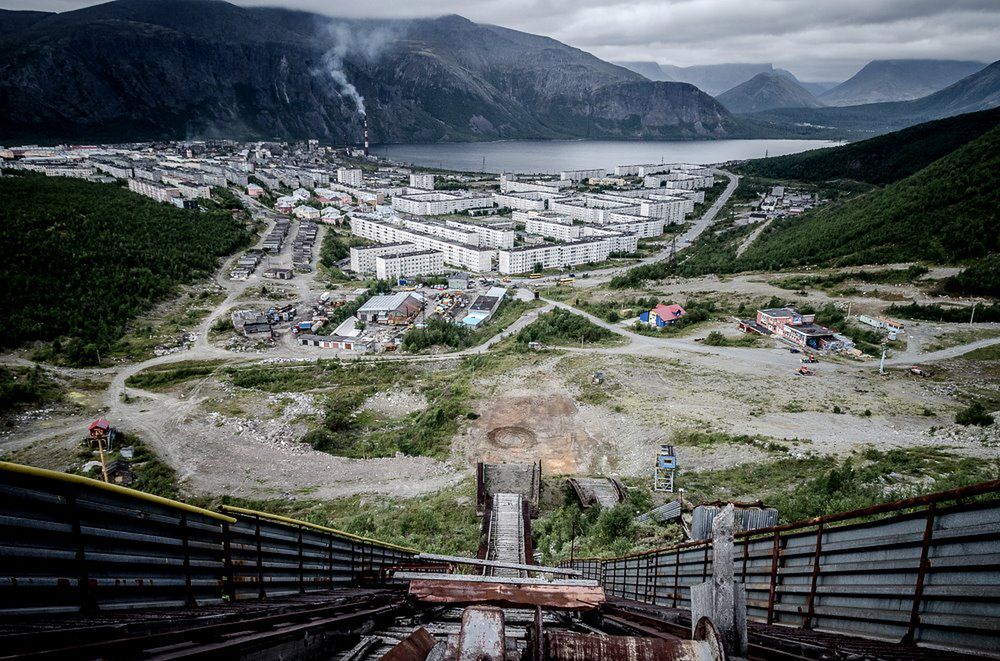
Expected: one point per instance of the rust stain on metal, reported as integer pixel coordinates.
(482, 635)
(574, 597)
(414, 647)
(567, 646)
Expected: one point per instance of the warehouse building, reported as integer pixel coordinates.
(397, 309)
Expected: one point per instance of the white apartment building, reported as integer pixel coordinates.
(470, 257)
(683, 180)
(592, 209)
(422, 262)
(558, 255)
(153, 190)
(618, 242)
(363, 257)
(422, 180)
(457, 234)
(641, 226)
(492, 235)
(548, 216)
(539, 185)
(526, 201)
(582, 175)
(552, 230)
(350, 177)
(438, 204)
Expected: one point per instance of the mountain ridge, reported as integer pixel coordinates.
(766, 91)
(136, 69)
(898, 80)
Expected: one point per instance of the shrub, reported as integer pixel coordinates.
(974, 415)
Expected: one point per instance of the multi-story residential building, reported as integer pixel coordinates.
(582, 175)
(363, 257)
(524, 201)
(154, 190)
(552, 186)
(463, 255)
(350, 177)
(553, 255)
(641, 226)
(422, 180)
(548, 216)
(438, 204)
(552, 230)
(498, 234)
(421, 262)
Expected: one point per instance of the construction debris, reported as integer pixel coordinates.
(604, 491)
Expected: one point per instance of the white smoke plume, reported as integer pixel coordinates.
(366, 43)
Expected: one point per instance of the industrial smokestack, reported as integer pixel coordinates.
(366, 136)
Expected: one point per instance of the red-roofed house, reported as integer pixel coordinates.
(662, 315)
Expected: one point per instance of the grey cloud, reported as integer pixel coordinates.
(815, 39)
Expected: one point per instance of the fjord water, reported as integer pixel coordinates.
(551, 156)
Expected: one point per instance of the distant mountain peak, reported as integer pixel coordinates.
(766, 91)
(898, 80)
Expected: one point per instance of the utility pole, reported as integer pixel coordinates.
(881, 365)
(973, 315)
(849, 303)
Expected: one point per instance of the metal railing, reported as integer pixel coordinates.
(921, 570)
(72, 544)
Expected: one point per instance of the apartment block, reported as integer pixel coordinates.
(422, 180)
(363, 257)
(557, 255)
(463, 255)
(438, 204)
(350, 177)
(399, 265)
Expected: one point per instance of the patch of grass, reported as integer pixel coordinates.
(563, 328)
(441, 522)
(974, 414)
(810, 486)
(595, 532)
(704, 439)
(992, 352)
(162, 377)
(21, 387)
(717, 339)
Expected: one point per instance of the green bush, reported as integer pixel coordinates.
(83, 259)
(975, 414)
(561, 327)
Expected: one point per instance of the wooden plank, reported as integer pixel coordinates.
(566, 597)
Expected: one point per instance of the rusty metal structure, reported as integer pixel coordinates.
(95, 570)
(920, 571)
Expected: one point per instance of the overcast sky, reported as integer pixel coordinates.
(815, 39)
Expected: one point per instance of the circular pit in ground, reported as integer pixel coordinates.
(511, 437)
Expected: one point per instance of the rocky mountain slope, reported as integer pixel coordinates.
(980, 91)
(142, 69)
(898, 80)
(766, 91)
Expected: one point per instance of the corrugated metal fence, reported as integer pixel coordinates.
(73, 544)
(923, 570)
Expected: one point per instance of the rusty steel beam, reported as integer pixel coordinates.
(463, 560)
(414, 647)
(457, 591)
(568, 646)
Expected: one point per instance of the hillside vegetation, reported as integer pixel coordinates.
(84, 258)
(882, 160)
(945, 213)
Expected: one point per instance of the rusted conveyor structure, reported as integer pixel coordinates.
(98, 571)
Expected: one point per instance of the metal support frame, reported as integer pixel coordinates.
(774, 577)
(918, 590)
(186, 545)
(813, 580)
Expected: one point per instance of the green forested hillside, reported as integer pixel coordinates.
(945, 213)
(83, 258)
(880, 160)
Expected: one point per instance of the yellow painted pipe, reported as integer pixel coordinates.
(315, 526)
(44, 473)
